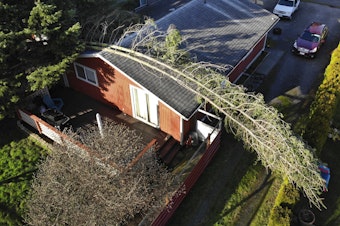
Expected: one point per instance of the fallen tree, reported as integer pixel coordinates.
(260, 126)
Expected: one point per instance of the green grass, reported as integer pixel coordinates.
(216, 185)
(18, 159)
(237, 202)
(262, 214)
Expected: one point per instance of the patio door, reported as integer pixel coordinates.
(145, 106)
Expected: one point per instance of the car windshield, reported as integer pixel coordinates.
(310, 37)
(286, 2)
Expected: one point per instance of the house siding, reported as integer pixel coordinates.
(169, 121)
(245, 63)
(114, 90)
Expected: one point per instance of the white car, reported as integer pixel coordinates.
(286, 8)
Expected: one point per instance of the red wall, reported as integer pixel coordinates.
(113, 87)
(242, 66)
(169, 121)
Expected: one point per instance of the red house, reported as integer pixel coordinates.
(139, 87)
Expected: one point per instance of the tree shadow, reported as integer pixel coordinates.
(10, 213)
(20, 177)
(266, 182)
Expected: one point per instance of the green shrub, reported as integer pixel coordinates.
(280, 216)
(290, 195)
(282, 212)
(323, 108)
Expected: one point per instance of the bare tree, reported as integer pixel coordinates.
(108, 28)
(101, 186)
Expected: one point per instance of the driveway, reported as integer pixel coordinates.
(293, 71)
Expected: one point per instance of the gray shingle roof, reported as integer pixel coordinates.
(221, 31)
(218, 31)
(154, 79)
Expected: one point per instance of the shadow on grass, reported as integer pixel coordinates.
(9, 131)
(21, 177)
(331, 216)
(266, 182)
(10, 213)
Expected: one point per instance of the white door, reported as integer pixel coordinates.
(153, 109)
(145, 106)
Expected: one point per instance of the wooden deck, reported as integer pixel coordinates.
(82, 110)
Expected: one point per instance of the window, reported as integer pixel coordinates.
(86, 74)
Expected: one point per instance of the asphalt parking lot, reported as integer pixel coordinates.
(296, 72)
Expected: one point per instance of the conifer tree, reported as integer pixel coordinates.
(38, 42)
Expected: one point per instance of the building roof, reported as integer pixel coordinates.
(220, 31)
(154, 77)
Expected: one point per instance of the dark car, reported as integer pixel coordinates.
(310, 41)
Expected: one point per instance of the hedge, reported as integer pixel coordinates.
(318, 123)
(282, 212)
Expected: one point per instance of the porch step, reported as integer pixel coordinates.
(166, 147)
(168, 150)
(172, 153)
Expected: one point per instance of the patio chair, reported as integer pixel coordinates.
(53, 103)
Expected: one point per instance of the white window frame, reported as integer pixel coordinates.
(86, 69)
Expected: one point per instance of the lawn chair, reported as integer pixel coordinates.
(53, 103)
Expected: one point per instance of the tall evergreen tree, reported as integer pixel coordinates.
(38, 41)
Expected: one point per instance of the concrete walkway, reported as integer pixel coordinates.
(269, 62)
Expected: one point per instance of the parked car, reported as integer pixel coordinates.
(310, 41)
(286, 8)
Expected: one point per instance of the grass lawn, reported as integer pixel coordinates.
(330, 155)
(18, 159)
(221, 194)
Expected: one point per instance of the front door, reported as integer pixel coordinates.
(145, 106)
